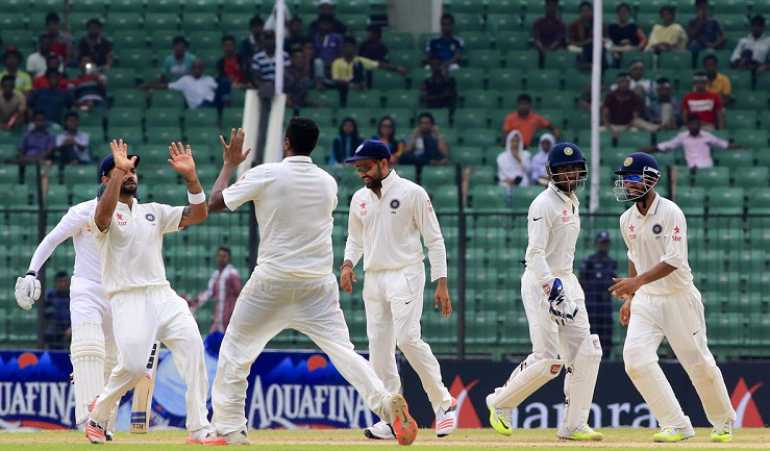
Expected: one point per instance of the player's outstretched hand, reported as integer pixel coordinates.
(119, 151)
(347, 279)
(624, 286)
(180, 158)
(232, 152)
(441, 300)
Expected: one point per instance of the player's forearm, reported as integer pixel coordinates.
(216, 199)
(46, 248)
(631, 269)
(657, 272)
(108, 201)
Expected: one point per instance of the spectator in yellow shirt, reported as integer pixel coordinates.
(349, 70)
(718, 83)
(12, 61)
(667, 35)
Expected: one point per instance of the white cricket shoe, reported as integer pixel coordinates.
(205, 436)
(237, 438)
(380, 431)
(446, 419)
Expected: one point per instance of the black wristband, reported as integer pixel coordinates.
(31, 273)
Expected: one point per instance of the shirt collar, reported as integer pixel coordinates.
(561, 195)
(298, 159)
(652, 211)
(389, 181)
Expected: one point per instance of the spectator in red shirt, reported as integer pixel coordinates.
(60, 41)
(224, 286)
(90, 87)
(229, 66)
(51, 62)
(549, 32)
(622, 108)
(526, 121)
(705, 105)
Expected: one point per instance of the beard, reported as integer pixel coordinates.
(374, 184)
(129, 188)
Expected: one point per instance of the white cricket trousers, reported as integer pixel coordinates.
(267, 306)
(139, 318)
(678, 317)
(393, 302)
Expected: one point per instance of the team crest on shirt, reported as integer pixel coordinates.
(150, 217)
(632, 232)
(362, 206)
(121, 219)
(565, 215)
(657, 228)
(394, 204)
(677, 234)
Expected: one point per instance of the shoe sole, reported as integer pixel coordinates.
(403, 424)
(370, 435)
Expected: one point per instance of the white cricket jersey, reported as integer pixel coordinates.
(293, 202)
(387, 229)
(553, 226)
(658, 236)
(75, 224)
(131, 249)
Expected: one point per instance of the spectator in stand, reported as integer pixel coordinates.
(36, 62)
(751, 51)
(349, 70)
(513, 165)
(703, 104)
(72, 145)
(526, 121)
(696, 143)
(537, 172)
(581, 35)
(703, 30)
(13, 105)
(180, 62)
(54, 63)
(57, 312)
(625, 35)
(549, 32)
(718, 83)
(298, 80)
(95, 46)
(448, 48)
(643, 87)
(12, 60)
(346, 142)
(52, 101)
(665, 108)
(224, 286)
(327, 46)
(61, 42)
(623, 107)
(199, 90)
(596, 274)
(90, 88)
(326, 12)
(263, 66)
(667, 35)
(387, 134)
(296, 38)
(439, 90)
(372, 47)
(38, 143)
(229, 67)
(252, 43)
(426, 146)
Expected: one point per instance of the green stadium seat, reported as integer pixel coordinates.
(543, 80)
(396, 40)
(464, 6)
(411, 59)
(195, 22)
(750, 137)
(386, 80)
(725, 201)
(234, 21)
(163, 135)
(710, 177)
(470, 118)
(749, 101)
(134, 57)
(480, 137)
(507, 23)
(675, 60)
(395, 99)
(202, 6)
(759, 201)
(124, 20)
(122, 116)
(476, 41)
(487, 196)
(373, 98)
(489, 59)
(752, 177)
(465, 23)
(521, 59)
(444, 197)
(167, 99)
(466, 155)
(122, 78)
(512, 40)
(505, 80)
(161, 117)
(128, 98)
(691, 200)
(433, 176)
(469, 79)
(504, 7)
(746, 118)
(201, 118)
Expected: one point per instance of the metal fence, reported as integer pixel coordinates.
(728, 254)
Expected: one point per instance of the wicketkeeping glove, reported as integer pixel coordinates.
(27, 290)
(561, 308)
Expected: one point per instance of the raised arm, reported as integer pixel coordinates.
(232, 156)
(181, 159)
(108, 201)
(67, 227)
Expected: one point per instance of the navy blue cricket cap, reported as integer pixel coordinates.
(108, 163)
(603, 236)
(371, 149)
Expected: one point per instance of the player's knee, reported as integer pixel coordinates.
(411, 342)
(635, 367)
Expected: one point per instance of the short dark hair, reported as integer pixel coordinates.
(524, 98)
(37, 113)
(623, 5)
(179, 40)
(302, 134)
(94, 21)
(60, 274)
(693, 118)
(699, 74)
(226, 250)
(228, 37)
(52, 17)
(668, 8)
(448, 17)
(701, 2)
(374, 28)
(663, 81)
(12, 52)
(11, 78)
(622, 75)
(350, 40)
(428, 115)
(52, 71)
(582, 4)
(758, 20)
(711, 57)
(71, 114)
(256, 20)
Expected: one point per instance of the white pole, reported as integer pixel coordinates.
(280, 33)
(596, 84)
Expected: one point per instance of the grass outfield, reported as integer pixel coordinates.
(353, 440)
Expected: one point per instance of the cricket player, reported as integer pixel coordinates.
(129, 238)
(92, 349)
(555, 305)
(293, 285)
(387, 218)
(661, 301)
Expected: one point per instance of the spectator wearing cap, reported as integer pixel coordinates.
(13, 105)
(252, 43)
(447, 47)
(526, 121)
(12, 60)
(549, 33)
(95, 46)
(326, 12)
(439, 90)
(37, 61)
(513, 165)
(38, 142)
(52, 101)
(717, 82)
(596, 274)
(296, 37)
(696, 144)
(665, 109)
(425, 146)
(705, 105)
(751, 51)
(667, 35)
(73, 145)
(53, 63)
(61, 42)
(625, 35)
(349, 70)
(703, 30)
(180, 62)
(623, 107)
